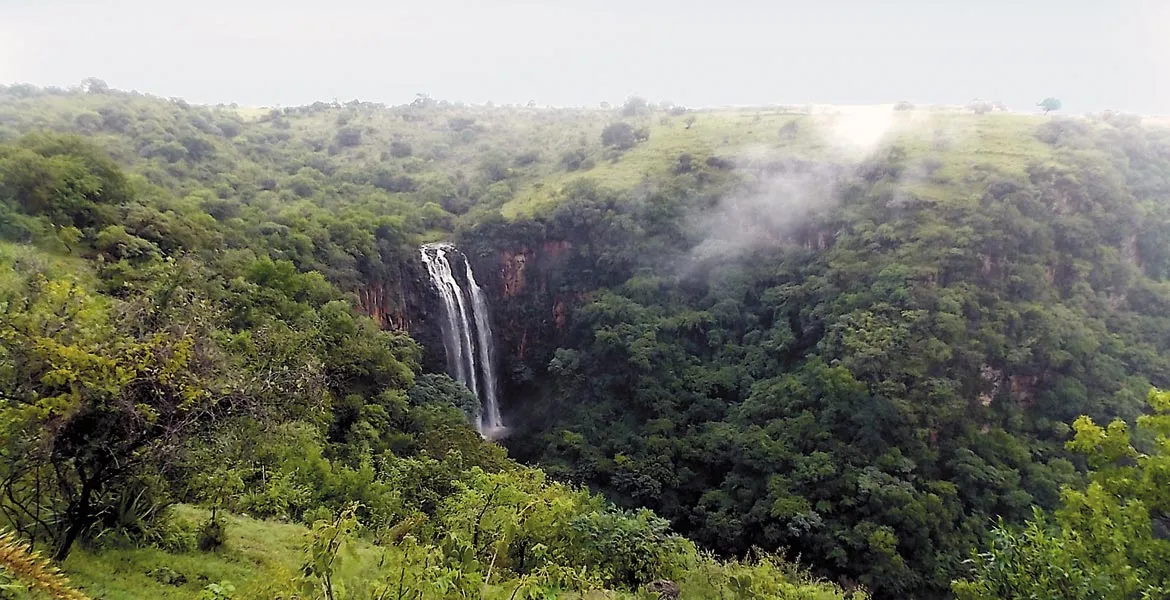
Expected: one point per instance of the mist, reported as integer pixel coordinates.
(781, 194)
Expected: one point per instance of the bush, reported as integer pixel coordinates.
(281, 498)
(177, 535)
(630, 548)
(348, 137)
(619, 135)
(213, 535)
(230, 129)
(224, 590)
(400, 149)
(574, 159)
(317, 513)
(167, 576)
(527, 158)
(789, 130)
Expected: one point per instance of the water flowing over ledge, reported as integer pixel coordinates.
(467, 332)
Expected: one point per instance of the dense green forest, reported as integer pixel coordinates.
(734, 344)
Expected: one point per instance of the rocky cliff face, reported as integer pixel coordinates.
(531, 306)
(408, 303)
(385, 303)
(513, 267)
(529, 296)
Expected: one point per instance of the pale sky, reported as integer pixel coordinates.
(1092, 54)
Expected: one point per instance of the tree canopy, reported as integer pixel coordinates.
(719, 331)
(1049, 104)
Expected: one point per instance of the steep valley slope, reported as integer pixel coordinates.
(853, 335)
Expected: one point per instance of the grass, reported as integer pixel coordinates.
(259, 556)
(1003, 142)
(25, 258)
(261, 560)
(252, 113)
(955, 138)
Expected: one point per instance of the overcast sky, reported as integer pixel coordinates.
(1092, 54)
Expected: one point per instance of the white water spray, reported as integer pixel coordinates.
(467, 333)
(491, 425)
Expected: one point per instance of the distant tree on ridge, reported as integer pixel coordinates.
(1049, 104)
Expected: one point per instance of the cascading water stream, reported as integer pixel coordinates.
(467, 333)
(491, 424)
(456, 332)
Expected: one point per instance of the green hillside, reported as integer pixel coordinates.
(257, 557)
(263, 559)
(853, 337)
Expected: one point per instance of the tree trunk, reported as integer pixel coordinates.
(78, 517)
(71, 534)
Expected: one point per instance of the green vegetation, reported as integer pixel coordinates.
(869, 380)
(32, 571)
(180, 327)
(854, 340)
(1103, 541)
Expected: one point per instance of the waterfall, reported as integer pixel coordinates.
(467, 332)
(490, 422)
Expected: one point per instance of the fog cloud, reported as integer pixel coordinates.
(767, 211)
(781, 195)
(855, 131)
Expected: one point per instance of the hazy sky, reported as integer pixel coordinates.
(1092, 54)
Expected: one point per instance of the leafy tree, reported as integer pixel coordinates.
(574, 159)
(1102, 542)
(62, 178)
(348, 137)
(93, 85)
(89, 406)
(1049, 104)
(635, 107)
(440, 389)
(401, 149)
(620, 135)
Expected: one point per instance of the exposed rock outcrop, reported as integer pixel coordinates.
(512, 271)
(385, 303)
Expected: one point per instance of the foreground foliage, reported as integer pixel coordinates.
(32, 571)
(1104, 541)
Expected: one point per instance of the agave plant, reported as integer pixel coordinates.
(33, 570)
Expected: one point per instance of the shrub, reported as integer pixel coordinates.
(212, 535)
(400, 149)
(619, 135)
(348, 137)
(574, 159)
(33, 571)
